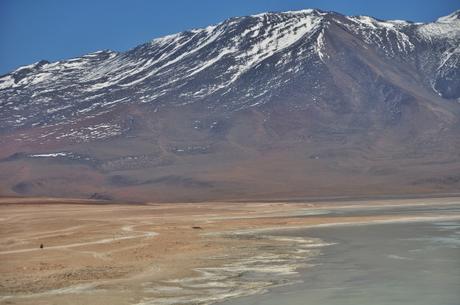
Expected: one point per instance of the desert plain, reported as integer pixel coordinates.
(63, 251)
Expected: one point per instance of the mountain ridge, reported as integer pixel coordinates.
(452, 16)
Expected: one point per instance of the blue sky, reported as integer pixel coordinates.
(31, 30)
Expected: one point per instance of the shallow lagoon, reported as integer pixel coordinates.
(384, 264)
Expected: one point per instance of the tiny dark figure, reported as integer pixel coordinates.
(41, 246)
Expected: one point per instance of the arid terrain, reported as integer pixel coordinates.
(99, 253)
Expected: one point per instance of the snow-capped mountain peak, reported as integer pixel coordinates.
(453, 17)
(241, 62)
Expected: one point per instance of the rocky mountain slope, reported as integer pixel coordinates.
(275, 105)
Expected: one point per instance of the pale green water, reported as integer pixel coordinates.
(386, 264)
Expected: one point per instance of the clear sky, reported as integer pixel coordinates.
(31, 30)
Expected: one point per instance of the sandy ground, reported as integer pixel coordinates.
(96, 253)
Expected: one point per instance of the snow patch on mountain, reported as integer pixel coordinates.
(387, 35)
(95, 132)
(50, 155)
(447, 27)
(7, 82)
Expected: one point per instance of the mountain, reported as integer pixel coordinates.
(270, 106)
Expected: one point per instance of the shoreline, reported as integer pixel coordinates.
(312, 199)
(363, 223)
